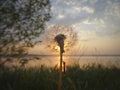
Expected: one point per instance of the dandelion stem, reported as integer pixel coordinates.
(60, 40)
(60, 72)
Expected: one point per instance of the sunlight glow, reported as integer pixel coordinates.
(57, 48)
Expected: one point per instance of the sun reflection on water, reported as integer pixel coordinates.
(53, 61)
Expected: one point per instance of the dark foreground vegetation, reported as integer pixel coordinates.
(95, 77)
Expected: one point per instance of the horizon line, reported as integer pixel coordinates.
(75, 55)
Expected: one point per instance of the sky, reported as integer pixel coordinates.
(96, 22)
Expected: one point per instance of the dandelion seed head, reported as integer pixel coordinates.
(67, 31)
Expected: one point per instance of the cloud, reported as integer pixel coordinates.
(88, 10)
(97, 22)
(60, 16)
(100, 16)
(113, 9)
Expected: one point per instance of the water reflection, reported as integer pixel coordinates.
(51, 61)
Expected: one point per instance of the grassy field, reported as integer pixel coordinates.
(90, 77)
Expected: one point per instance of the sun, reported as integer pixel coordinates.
(57, 48)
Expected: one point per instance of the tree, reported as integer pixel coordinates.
(21, 21)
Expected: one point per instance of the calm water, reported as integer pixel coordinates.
(51, 61)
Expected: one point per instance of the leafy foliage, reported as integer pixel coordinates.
(21, 21)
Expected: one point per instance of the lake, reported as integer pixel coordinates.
(52, 61)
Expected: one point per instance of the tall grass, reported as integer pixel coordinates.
(90, 77)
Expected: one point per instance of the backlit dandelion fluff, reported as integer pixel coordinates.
(67, 31)
(60, 38)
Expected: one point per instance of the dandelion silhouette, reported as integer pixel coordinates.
(64, 37)
(60, 40)
(64, 31)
